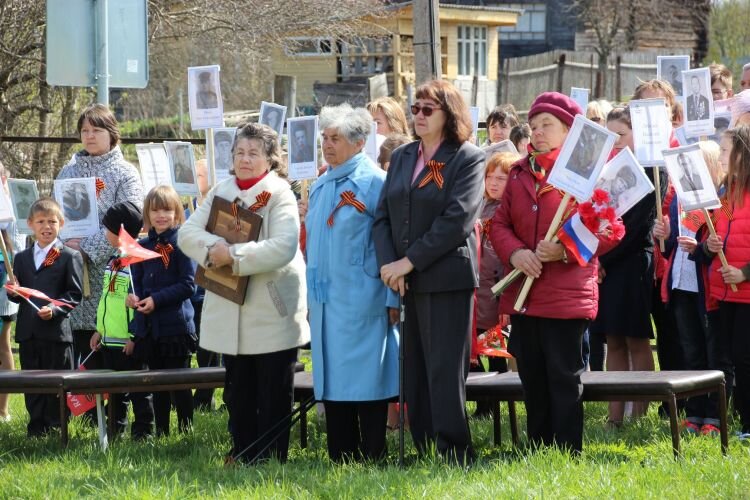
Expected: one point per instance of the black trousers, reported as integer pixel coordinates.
(668, 347)
(203, 398)
(356, 429)
(437, 348)
(262, 396)
(36, 354)
(182, 399)
(735, 318)
(550, 363)
(82, 348)
(143, 411)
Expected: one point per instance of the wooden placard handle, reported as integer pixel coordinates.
(712, 230)
(553, 228)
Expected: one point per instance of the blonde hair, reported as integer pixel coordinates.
(162, 198)
(394, 115)
(46, 206)
(657, 86)
(711, 152)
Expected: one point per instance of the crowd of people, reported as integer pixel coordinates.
(412, 244)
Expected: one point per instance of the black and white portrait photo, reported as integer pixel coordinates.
(204, 97)
(302, 144)
(696, 102)
(691, 179)
(699, 108)
(670, 68)
(222, 152)
(76, 202)
(581, 158)
(625, 181)
(23, 193)
(182, 166)
(154, 165)
(77, 197)
(273, 115)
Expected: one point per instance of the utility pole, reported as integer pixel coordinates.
(427, 61)
(102, 57)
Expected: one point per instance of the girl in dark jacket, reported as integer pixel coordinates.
(164, 328)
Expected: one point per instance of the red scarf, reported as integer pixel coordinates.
(246, 184)
(541, 163)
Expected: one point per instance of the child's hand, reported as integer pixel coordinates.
(128, 349)
(732, 275)
(146, 306)
(714, 244)
(45, 313)
(132, 301)
(94, 341)
(687, 244)
(662, 229)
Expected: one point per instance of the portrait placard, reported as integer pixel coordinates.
(699, 104)
(690, 177)
(474, 112)
(23, 193)
(651, 127)
(582, 158)
(499, 147)
(273, 115)
(77, 197)
(182, 167)
(679, 133)
(303, 147)
(222, 152)
(6, 207)
(580, 96)
(222, 221)
(625, 181)
(154, 165)
(670, 68)
(204, 97)
(372, 144)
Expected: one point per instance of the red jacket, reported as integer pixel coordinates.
(735, 232)
(563, 291)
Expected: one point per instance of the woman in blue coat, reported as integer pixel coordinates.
(354, 338)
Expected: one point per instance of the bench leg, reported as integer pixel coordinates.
(673, 425)
(496, 424)
(723, 418)
(62, 399)
(111, 418)
(303, 428)
(513, 422)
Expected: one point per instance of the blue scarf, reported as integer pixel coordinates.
(318, 232)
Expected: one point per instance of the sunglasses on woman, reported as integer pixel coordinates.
(426, 110)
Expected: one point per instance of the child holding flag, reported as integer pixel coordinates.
(162, 288)
(44, 336)
(113, 320)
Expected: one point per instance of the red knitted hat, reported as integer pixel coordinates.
(561, 106)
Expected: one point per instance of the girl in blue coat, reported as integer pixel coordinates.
(164, 328)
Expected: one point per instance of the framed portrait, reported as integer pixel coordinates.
(77, 197)
(699, 104)
(154, 165)
(651, 127)
(690, 177)
(182, 167)
(303, 147)
(580, 96)
(625, 181)
(670, 68)
(499, 147)
(23, 193)
(273, 115)
(204, 97)
(221, 156)
(582, 158)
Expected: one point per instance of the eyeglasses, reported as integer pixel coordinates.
(426, 110)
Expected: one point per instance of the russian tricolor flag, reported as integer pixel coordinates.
(578, 239)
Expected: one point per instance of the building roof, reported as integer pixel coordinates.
(476, 14)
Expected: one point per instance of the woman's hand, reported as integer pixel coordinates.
(662, 230)
(687, 244)
(547, 251)
(146, 306)
(302, 208)
(219, 255)
(393, 274)
(732, 275)
(714, 244)
(527, 262)
(94, 341)
(132, 300)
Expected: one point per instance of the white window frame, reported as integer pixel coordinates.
(531, 11)
(290, 48)
(472, 42)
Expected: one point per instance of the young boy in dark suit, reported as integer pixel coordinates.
(44, 336)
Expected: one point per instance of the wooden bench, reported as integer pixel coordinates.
(668, 386)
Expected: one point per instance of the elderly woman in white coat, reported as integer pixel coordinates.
(260, 338)
(354, 342)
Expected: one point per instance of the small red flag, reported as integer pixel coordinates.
(30, 292)
(131, 252)
(81, 403)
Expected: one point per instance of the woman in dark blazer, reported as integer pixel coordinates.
(426, 247)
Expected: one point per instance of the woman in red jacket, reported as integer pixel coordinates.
(733, 235)
(546, 335)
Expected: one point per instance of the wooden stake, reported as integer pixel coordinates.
(553, 228)
(657, 190)
(86, 285)
(6, 258)
(712, 230)
(211, 157)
